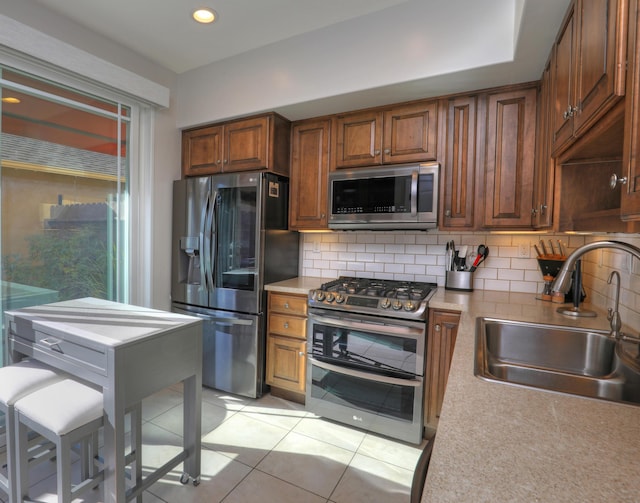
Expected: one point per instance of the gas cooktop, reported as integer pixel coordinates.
(398, 299)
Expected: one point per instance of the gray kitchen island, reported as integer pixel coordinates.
(128, 352)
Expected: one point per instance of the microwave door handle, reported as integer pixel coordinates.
(378, 327)
(414, 193)
(365, 375)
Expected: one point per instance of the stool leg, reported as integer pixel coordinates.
(21, 465)
(63, 461)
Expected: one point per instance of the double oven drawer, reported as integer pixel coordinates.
(368, 372)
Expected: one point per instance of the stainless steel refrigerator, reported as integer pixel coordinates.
(229, 239)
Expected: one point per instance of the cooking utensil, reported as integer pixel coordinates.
(553, 251)
(483, 257)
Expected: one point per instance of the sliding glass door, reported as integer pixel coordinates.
(64, 182)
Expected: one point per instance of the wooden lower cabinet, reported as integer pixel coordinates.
(441, 339)
(287, 345)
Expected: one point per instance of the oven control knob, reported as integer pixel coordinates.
(397, 305)
(330, 297)
(319, 295)
(340, 298)
(410, 306)
(386, 303)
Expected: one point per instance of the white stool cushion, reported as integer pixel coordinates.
(21, 378)
(63, 406)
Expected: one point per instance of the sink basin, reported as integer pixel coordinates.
(555, 358)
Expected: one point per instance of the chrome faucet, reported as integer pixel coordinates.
(613, 315)
(562, 281)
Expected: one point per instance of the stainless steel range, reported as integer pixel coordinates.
(366, 354)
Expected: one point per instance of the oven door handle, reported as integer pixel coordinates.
(416, 383)
(382, 328)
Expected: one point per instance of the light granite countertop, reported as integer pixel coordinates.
(300, 285)
(497, 442)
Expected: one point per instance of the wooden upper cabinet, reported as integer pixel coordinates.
(358, 139)
(202, 151)
(247, 144)
(410, 133)
(458, 170)
(509, 158)
(630, 198)
(309, 174)
(544, 164)
(588, 73)
(406, 133)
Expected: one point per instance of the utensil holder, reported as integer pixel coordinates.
(459, 280)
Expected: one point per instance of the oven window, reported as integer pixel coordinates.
(369, 395)
(394, 356)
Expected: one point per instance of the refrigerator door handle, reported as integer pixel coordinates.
(207, 231)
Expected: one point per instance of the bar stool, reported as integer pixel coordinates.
(65, 413)
(17, 381)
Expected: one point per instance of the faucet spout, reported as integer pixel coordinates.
(613, 314)
(562, 281)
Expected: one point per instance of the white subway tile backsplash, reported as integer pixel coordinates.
(420, 256)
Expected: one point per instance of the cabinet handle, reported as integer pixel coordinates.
(225, 161)
(437, 327)
(286, 324)
(286, 305)
(616, 180)
(447, 213)
(301, 353)
(376, 152)
(534, 212)
(387, 150)
(218, 161)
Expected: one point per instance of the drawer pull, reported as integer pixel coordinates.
(286, 324)
(53, 344)
(286, 305)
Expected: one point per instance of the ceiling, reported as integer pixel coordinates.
(163, 31)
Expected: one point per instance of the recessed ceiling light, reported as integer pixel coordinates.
(10, 99)
(204, 15)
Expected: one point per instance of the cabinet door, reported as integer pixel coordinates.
(202, 151)
(544, 163)
(563, 83)
(287, 363)
(458, 172)
(410, 133)
(443, 330)
(630, 201)
(309, 174)
(246, 145)
(509, 158)
(358, 139)
(600, 58)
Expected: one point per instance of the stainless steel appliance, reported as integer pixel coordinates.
(366, 354)
(229, 239)
(396, 197)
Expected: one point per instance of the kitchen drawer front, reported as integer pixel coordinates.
(288, 325)
(93, 359)
(292, 304)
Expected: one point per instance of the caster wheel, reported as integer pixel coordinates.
(184, 478)
(196, 482)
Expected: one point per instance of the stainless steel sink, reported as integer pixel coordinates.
(556, 358)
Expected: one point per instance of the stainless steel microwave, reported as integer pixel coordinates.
(393, 197)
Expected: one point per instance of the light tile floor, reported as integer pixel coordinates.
(265, 450)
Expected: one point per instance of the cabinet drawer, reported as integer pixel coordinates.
(292, 304)
(288, 325)
(92, 358)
